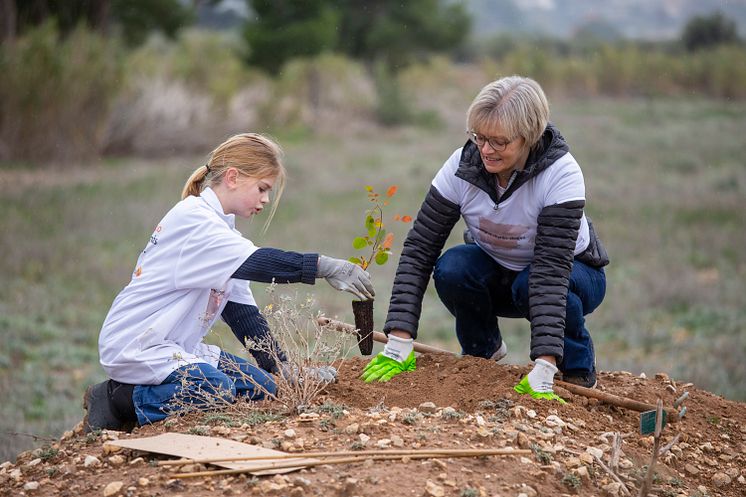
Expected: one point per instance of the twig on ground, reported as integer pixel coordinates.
(391, 452)
(624, 488)
(616, 449)
(359, 458)
(668, 446)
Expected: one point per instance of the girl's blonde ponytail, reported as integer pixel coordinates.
(193, 186)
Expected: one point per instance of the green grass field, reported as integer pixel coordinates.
(666, 185)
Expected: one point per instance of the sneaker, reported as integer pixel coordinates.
(500, 353)
(583, 379)
(99, 411)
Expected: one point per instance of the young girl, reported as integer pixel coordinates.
(196, 267)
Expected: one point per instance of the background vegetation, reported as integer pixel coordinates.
(98, 132)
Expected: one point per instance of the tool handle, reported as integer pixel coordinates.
(378, 336)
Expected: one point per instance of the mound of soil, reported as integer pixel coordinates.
(448, 402)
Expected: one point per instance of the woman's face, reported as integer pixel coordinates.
(501, 154)
(246, 196)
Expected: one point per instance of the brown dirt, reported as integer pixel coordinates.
(708, 459)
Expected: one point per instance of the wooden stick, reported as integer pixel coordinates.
(391, 452)
(380, 337)
(359, 458)
(647, 483)
(624, 488)
(671, 416)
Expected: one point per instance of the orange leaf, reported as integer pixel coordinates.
(391, 191)
(388, 241)
(397, 217)
(406, 219)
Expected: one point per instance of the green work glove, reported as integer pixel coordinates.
(397, 357)
(539, 382)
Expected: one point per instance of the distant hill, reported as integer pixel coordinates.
(634, 19)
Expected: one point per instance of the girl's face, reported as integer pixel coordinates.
(245, 196)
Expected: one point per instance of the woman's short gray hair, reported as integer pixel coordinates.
(515, 103)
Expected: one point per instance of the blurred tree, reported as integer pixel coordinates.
(397, 32)
(134, 18)
(283, 29)
(709, 31)
(389, 31)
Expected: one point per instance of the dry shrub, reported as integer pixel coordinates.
(56, 94)
(306, 344)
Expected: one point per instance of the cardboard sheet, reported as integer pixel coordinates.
(198, 447)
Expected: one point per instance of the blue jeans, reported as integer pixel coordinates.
(477, 290)
(199, 384)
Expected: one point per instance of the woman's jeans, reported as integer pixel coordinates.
(202, 385)
(476, 290)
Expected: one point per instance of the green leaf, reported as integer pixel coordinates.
(381, 258)
(359, 242)
(355, 260)
(370, 223)
(380, 235)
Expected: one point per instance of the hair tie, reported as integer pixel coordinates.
(207, 166)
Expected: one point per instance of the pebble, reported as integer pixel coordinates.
(289, 433)
(433, 489)
(91, 461)
(32, 485)
(113, 488)
(352, 428)
(428, 407)
(721, 479)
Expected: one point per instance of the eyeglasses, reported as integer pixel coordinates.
(498, 145)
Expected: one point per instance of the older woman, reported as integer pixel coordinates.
(531, 252)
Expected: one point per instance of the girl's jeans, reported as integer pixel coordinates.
(476, 290)
(202, 385)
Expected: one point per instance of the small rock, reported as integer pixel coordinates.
(586, 458)
(111, 449)
(553, 421)
(136, 461)
(397, 441)
(583, 473)
(116, 460)
(352, 429)
(31, 486)
(383, 443)
(596, 452)
(363, 438)
(720, 479)
(113, 488)
(613, 488)
(531, 413)
(91, 461)
(428, 408)
(143, 482)
(308, 416)
(691, 469)
(289, 433)
(528, 491)
(433, 489)
(742, 480)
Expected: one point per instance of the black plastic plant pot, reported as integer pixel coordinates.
(363, 312)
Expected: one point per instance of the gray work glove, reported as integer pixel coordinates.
(344, 275)
(323, 374)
